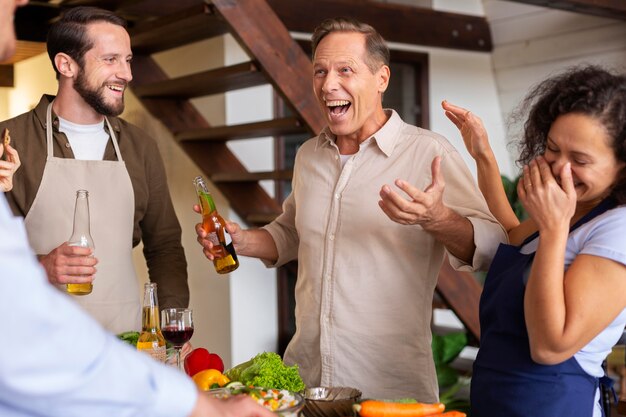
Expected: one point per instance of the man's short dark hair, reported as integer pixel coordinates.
(69, 34)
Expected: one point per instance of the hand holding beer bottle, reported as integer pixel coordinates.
(81, 236)
(223, 251)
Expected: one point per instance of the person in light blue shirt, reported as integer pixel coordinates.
(56, 361)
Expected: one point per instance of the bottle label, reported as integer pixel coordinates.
(214, 239)
(157, 352)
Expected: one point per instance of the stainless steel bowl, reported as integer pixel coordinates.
(330, 401)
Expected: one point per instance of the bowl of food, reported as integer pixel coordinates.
(330, 401)
(282, 402)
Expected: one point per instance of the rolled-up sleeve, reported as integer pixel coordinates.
(463, 196)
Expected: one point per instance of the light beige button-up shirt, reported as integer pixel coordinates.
(365, 283)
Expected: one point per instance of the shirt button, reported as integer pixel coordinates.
(337, 196)
(336, 156)
(67, 144)
(331, 237)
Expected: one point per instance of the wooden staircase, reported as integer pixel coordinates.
(275, 58)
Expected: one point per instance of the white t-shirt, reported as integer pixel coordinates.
(88, 142)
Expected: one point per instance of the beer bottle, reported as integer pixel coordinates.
(81, 237)
(225, 258)
(151, 339)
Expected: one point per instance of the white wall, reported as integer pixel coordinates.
(531, 43)
(466, 79)
(253, 295)
(33, 77)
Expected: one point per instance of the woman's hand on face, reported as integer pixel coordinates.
(549, 204)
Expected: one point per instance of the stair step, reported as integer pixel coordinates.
(219, 80)
(275, 127)
(263, 36)
(223, 177)
(190, 25)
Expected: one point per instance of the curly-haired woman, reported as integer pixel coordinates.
(554, 301)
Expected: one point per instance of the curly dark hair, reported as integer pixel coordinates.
(589, 90)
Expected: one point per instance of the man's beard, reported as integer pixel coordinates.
(95, 98)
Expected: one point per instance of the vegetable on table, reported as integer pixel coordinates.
(267, 370)
(449, 414)
(129, 337)
(210, 378)
(377, 408)
(200, 359)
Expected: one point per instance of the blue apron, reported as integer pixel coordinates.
(505, 380)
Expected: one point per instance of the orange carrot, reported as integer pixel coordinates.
(449, 414)
(373, 408)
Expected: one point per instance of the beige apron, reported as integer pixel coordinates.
(115, 300)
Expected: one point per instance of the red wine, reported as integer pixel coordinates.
(176, 336)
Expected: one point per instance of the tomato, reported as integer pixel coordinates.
(200, 359)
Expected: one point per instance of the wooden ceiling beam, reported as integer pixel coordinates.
(6, 75)
(395, 22)
(33, 20)
(614, 9)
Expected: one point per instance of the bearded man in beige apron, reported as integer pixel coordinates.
(114, 301)
(87, 92)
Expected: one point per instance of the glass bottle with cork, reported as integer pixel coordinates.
(225, 258)
(151, 339)
(81, 236)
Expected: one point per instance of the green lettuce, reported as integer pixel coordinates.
(129, 337)
(267, 370)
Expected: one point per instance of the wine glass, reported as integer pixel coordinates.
(177, 328)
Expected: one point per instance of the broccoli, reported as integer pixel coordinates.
(267, 370)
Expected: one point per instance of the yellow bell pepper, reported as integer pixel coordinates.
(205, 379)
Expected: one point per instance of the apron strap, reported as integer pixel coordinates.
(49, 134)
(114, 140)
(49, 129)
(607, 383)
